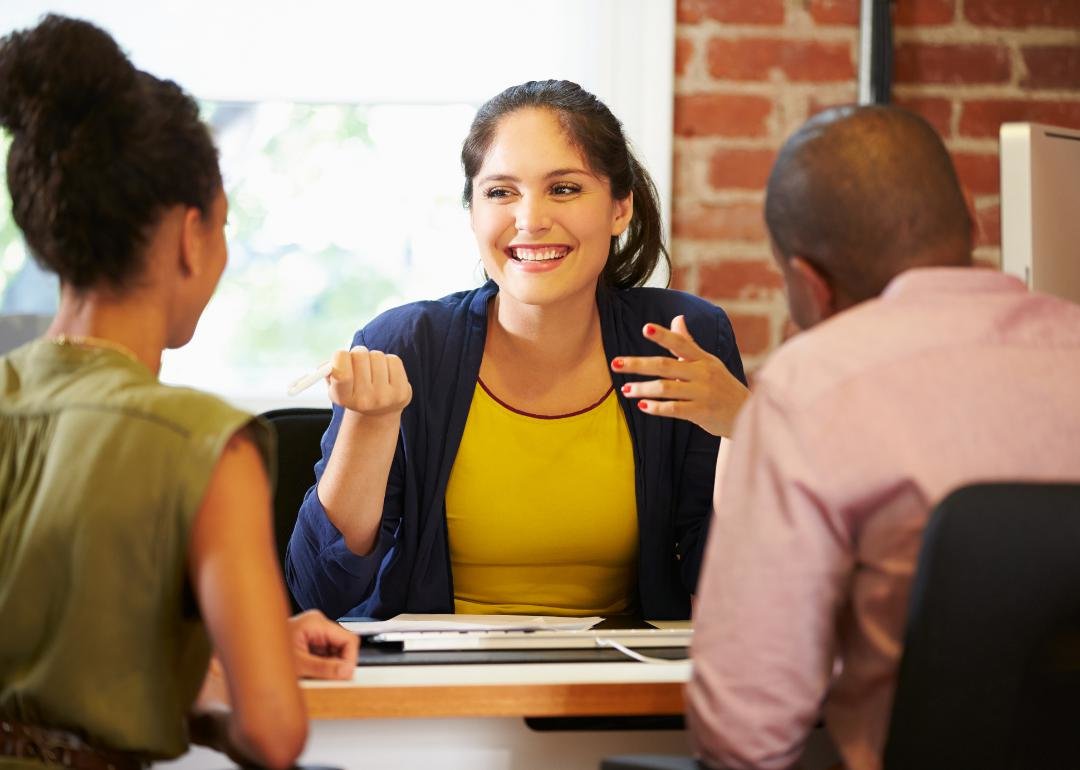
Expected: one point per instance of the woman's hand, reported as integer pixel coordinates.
(322, 649)
(693, 386)
(369, 382)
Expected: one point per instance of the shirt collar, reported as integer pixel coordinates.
(952, 280)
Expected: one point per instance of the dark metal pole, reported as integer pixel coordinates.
(875, 52)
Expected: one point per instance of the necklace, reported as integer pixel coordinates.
(78, 340)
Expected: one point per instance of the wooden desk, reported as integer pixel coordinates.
(534, 689)
(469, 717)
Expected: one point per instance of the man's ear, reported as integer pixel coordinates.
(811, 296)
(192, 243)
(624, 212)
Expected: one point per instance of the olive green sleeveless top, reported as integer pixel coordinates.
(102, 470)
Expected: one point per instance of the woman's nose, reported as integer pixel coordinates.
(532, 215)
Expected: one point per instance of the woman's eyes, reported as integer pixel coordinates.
(558, 190)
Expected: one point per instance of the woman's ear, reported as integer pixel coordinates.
(624, 212)
(192, 243)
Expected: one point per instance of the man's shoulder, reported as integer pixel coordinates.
(842, 348)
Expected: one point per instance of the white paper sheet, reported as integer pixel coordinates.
(413, 622)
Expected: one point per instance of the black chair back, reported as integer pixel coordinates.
(990, 673)
(299, 432)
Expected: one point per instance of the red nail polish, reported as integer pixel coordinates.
(626, 389)
(650, 330)
(617, 363)
(642, 406)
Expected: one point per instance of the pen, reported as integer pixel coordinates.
(305, 382)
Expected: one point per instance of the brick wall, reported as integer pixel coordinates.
(749, 72)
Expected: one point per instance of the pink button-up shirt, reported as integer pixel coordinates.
(855, 430)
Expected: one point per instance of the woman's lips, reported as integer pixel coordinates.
(538, 253)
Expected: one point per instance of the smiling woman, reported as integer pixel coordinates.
(479, 459)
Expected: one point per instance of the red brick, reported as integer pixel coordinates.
(730, 11)
(740, 169)
(984, 117)
(681, 173)
(721, 115)
(924, 63)
(988, 226)
(719, 221)
(684, 49)
(938, 112)
(680, 279)
(1052, 66)
(834, 11)
(924, 12)
(906, 13)
(740, 279)
(798, 60)
(753, 333)
(1023, 13)
(979, 173)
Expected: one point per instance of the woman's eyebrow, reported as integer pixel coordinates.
(550, 175)
(565, 171)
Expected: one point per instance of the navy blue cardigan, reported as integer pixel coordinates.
(441, 343)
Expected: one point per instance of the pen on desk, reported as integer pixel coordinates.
(305, 382)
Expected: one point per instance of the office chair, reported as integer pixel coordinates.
(990, 674)
(299, 432)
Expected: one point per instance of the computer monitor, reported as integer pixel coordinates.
(1040, 207)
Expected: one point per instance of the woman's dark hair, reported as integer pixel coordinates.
(99, 150)
(592, 129)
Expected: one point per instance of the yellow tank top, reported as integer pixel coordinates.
(541, 511)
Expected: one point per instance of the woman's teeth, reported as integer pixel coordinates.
(538, 255)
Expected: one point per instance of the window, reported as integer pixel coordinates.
(340, 126)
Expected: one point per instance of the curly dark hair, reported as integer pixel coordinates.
(99, 150)
(598, 134)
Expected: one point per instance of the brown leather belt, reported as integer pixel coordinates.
(59, 747)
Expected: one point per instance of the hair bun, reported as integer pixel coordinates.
(55, 75)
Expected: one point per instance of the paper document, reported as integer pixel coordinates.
(561, 639)
(411, 622)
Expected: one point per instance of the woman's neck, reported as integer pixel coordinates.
(558, 337)
(129, 321)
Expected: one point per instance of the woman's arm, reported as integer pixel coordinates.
(237, 582)
(373, 389)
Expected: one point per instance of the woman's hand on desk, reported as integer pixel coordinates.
(322, 648)
(369, 382)
(693, 386)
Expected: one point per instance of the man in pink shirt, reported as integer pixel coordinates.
(921, 374)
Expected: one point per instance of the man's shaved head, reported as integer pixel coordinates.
(864, 193)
